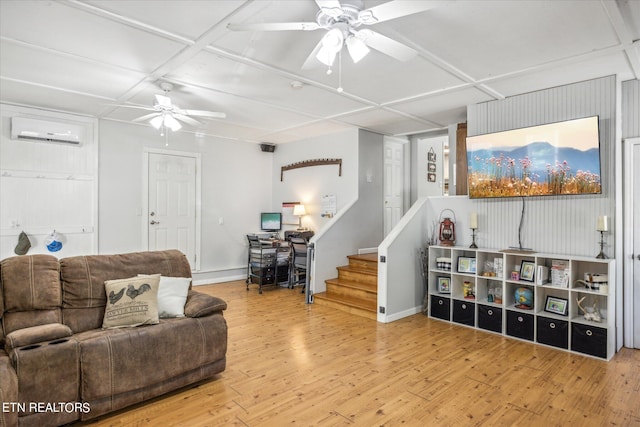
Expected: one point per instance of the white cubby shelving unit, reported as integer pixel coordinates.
(484, 298)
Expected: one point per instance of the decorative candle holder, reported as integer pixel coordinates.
(601, 255)
(602, 226)
(473, 222)
(473, 238)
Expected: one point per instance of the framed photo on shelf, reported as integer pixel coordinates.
(466, 265)
(444, 285)
(527, 269)
(556, 305)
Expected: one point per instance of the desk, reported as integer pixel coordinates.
(268, 262)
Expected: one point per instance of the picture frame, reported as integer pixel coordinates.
(556, 305)
(466, 265)
(444, 285)
(431, 177)
(527, 270)
(431, 155)
(431, 167)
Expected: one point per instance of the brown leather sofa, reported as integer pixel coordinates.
(57, 364)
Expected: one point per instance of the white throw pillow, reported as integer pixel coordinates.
(172, 296)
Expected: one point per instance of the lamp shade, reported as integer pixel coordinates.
(299, 210)
(357, 49)
(171, 123)
(156, 122)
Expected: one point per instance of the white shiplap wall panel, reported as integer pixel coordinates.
(556, 224)
(631, 109)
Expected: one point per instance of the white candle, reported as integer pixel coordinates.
(474, 220)
(602, 223)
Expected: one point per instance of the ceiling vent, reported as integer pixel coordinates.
(46, 131)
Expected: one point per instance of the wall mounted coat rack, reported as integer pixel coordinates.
(315, 162)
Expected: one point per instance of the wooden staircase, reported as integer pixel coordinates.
(355, 290)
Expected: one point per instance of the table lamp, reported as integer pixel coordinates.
(299, 211)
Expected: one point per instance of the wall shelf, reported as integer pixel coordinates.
(495, 309)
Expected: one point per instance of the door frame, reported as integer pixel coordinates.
(628, 253)
(145, 195)
(406, 177)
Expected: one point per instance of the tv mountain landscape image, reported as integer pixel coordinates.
(535, 169)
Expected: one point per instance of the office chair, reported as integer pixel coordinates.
(298, 265)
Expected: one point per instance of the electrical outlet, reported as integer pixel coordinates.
(382, 310)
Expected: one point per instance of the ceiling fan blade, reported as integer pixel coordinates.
(132, 106)
(187, 119)
(202, 113)
(275, 26)
(330, 7)
(146, 117)
(396, 9)
(311, 61)
(386, 45)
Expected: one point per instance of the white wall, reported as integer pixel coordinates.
(48, 186)
(630, 108)
(557, 224)
(359, 226)
(424, 188)
(308, 185)
(400, 289)
(234, 189)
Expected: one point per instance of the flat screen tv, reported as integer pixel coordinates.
(548, 160)
(270, 221)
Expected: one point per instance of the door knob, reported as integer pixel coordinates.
(154, 222)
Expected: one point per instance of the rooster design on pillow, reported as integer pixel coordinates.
(132, 292)
(115, 297)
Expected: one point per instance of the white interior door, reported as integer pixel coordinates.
(635, 179)
(171, 219)
(631, 258)
(393, 183)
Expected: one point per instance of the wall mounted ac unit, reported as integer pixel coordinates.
(43, 130)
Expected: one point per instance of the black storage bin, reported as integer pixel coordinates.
(589, 340)
(440, 307)
(553, 332)
(520, 325)
(490, 318)
(464, 312)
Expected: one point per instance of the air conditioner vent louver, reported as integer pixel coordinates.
(46, 139)
(23, 128)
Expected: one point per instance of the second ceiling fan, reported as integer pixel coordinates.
(342, 22)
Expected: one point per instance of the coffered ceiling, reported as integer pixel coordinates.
(84, 56)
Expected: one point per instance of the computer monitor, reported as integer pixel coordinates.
(270, 221)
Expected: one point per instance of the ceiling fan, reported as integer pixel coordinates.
(342, 20)
(167, 115)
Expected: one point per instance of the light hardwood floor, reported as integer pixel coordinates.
(306, 365)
